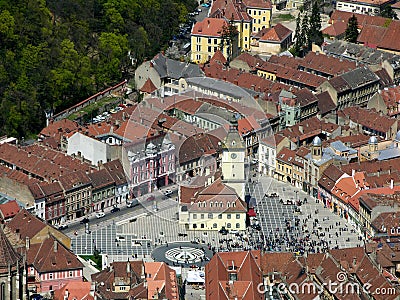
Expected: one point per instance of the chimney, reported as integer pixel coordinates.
(66, 294)
(391, 184)
(354, 261)
(353, 172)
(55, 246)
(128, 267)
(27, 243)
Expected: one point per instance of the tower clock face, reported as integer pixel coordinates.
(233, 155)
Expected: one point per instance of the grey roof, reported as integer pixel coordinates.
(360, 53)
(219, 86)
(317, 141)
(373, 140)
(207, 111)
(360, 76)
(398, 136)
(167, 67)
(339, 146)
(389, 153)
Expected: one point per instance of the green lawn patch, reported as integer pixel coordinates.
(284, 17)
(96, 258)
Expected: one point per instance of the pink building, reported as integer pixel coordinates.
(152, 165)
(51, 266)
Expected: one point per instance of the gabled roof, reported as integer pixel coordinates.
(75, 290)
(116, 170)
(276, 34)
(9, 209)
(148, 87)
(8, 255)
(51, 256)
(218, 57)
(171, 68)
(25, 224)
(211, 27)
(101, 179)
(336, 29)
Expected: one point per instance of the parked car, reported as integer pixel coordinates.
(85, 220)
(100, 215)
(115, 209)
(151, 198)
(62, 227)
(167, 192)
(132, 203)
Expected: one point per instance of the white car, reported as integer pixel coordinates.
(167, 192)
(100, 215)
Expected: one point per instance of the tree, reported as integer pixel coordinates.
(305, 36)
(387, 12)
(315, 33)
(229, 39)
(299, 39)
(351, 33)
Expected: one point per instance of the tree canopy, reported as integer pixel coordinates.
(351, 33)
(56, 53)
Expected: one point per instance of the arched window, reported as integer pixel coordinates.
(3, 291)
(220, 204)
(228, 204)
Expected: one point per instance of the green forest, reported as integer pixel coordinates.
(56, 53)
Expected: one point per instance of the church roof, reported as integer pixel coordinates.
(233, 140)
(8, 256)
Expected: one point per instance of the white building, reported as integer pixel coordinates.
(233, 160)
(269, 147)
(90, 149)
(366, 7)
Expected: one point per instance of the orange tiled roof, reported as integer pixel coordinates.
(209, 27)
(9, 209)
(278, 33)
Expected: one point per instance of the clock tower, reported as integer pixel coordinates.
(233, 160)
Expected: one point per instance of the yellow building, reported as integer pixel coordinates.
(207, 38)
(248, 16)
(215, 207)
(284, 165)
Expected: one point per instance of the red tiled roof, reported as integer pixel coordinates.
(336, 29)
(52, 256)
(209, 27)
(75, 290)
(382, 37)
(148, 87)
(218, 57)
(278, 33)
(25, 224)
(251, 60)
(229, 9)
(9, 209)
(266, 4)
(327, 64)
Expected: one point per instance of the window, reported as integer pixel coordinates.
(202, 216)
(209, 49)
(237, 216)
(71, 274)
(237, 225)
(215, 41)
(209, 40)
(50, 275)
(201, 225)
(194, 226)
(194, 216)
(229, 225)
(215, 225)
(232, 276)
(198, 47)
(219, 216)
(210, 215)
(228, 216)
